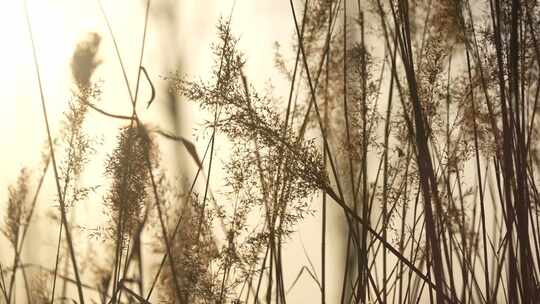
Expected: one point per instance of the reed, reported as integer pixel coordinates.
(415, 120)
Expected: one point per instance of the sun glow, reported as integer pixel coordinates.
(56, 25)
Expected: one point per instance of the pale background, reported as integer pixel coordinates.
(59, 24)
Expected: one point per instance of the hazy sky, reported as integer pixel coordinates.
(59, 24)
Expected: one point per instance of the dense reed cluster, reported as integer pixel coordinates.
(407, 132)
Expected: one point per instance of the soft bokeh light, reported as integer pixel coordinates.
(58, 25)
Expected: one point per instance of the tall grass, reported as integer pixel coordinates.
(415, 119)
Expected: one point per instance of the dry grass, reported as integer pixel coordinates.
(415, 118)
